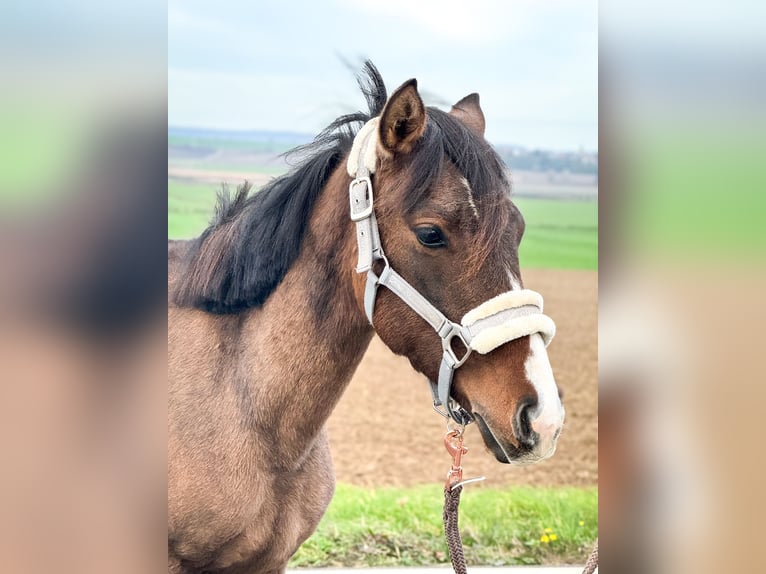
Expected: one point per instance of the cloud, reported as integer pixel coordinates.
(445, 19)
(480, 23)
(252, 65)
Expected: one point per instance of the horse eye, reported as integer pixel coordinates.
(430, 236)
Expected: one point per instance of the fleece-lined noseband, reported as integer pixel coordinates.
(508, 316)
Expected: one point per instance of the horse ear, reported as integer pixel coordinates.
(403, 120)
(469, 112)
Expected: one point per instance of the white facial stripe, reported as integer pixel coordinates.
(548, 417)
(468, 189)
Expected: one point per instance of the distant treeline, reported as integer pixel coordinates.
(521, 159)
(196, 141)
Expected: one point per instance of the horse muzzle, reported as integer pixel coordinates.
(534, 440)
(539, 429)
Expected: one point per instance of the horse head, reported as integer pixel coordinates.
(444, 237)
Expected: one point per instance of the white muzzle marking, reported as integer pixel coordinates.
(547, 419)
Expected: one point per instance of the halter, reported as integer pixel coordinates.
(509, 316)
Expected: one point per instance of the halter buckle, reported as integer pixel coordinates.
(361, 207)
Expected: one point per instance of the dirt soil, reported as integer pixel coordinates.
(384, 431)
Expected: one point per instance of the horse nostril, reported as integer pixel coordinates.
(522, 424)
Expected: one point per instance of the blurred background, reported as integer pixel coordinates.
(681, 308)
(83, 114)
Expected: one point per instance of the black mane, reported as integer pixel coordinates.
(252, 240)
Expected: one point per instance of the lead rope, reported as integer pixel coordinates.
(592, 564)
(453, 442)
(451, 530)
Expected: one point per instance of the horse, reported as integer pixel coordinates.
(272, 307)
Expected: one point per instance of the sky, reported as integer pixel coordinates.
(283, 66)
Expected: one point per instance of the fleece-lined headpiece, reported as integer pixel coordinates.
(509, 316)
(364, 149)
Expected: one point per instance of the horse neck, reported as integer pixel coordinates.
(308, 338)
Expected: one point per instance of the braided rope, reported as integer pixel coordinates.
(455, 544)
(451, 530)
(592, 563)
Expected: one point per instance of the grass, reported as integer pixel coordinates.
(252, 145)
(245, 169)
(561, 234)
(402, 527)
(190, 207)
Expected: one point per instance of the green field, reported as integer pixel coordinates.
(190, 207)
(560, 234)
(403, 527)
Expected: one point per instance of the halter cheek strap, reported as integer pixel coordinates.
(508, 316)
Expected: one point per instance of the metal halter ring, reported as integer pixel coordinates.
(455, 330)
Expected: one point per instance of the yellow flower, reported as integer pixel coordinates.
(582, 523)
(548, 530)
(545, 539)
(553, 537)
